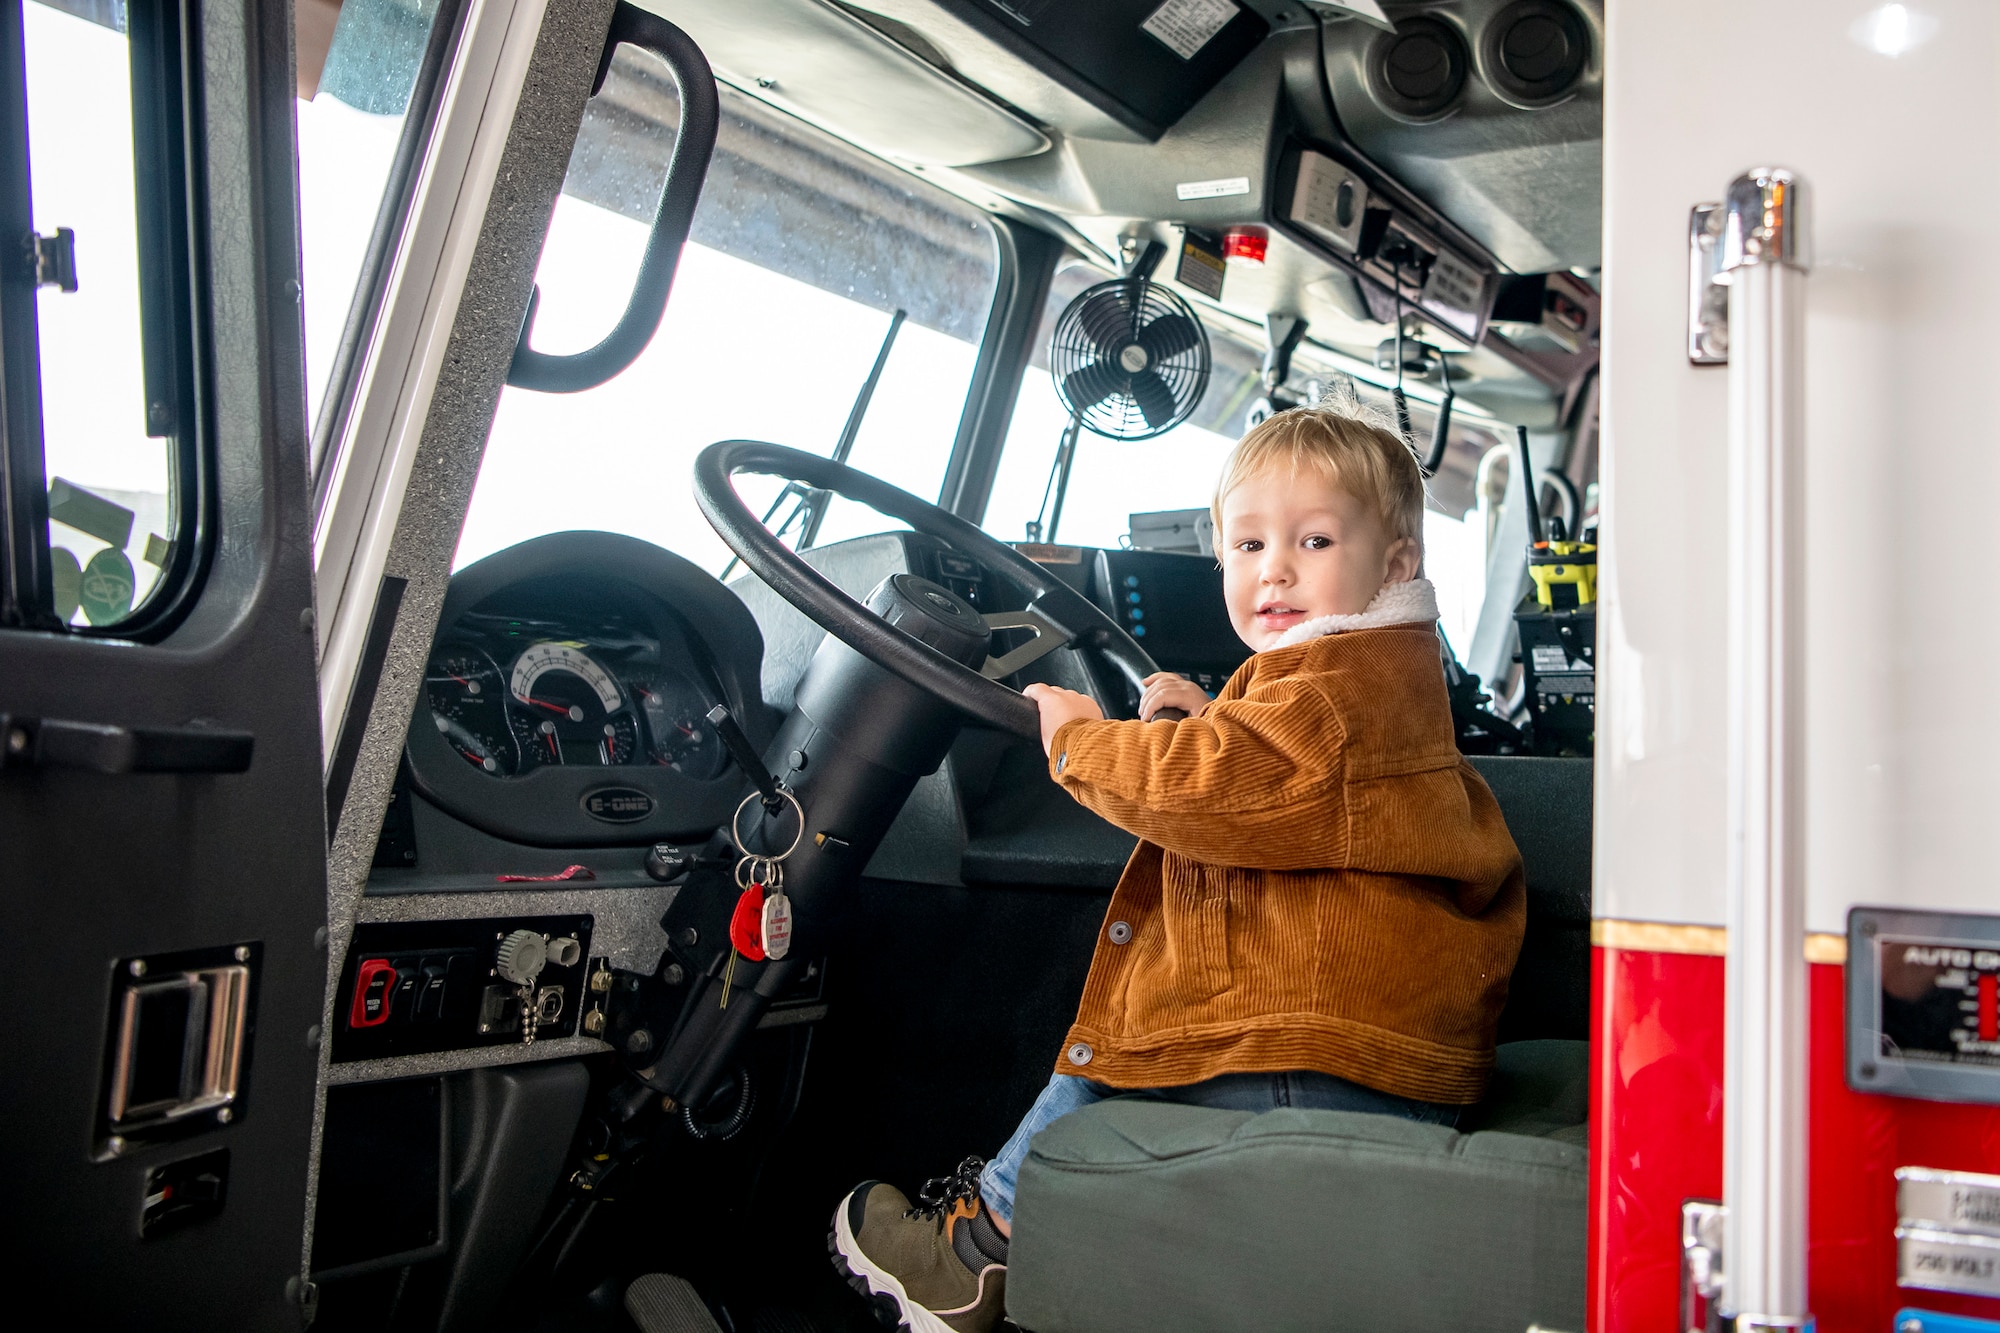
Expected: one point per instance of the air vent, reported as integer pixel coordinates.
(1533, 52)
(1418, 71)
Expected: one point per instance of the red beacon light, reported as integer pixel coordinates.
(1245, 244)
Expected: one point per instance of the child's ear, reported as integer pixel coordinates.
(1405, 559)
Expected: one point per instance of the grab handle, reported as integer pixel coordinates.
(686, 171)
(1765, 1089)
(99, 748)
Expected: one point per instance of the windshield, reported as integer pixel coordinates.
(801, 251)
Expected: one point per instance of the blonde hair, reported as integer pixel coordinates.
(1343, 442)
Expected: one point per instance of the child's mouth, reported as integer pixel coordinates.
(1277, 615)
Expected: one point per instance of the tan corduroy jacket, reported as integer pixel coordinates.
(1322, 882)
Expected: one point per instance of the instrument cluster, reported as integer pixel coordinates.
(523, 687)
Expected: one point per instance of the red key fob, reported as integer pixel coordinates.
(746, 924)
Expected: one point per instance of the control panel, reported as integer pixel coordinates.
(418, 986)
(1172, 604)
(1923, 1004)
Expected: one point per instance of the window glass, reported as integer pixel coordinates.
(111, 476)
(801, 250)
(1110, 480)
(358, 65)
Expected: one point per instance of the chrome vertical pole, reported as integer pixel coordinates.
(1765, 259)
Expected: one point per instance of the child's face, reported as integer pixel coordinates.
(1296, 547)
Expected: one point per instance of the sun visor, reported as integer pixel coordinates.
(831, 69)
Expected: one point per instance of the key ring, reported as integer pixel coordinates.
(736, 820)
(759, 870)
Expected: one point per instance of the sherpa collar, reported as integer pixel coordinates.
(1396, 604)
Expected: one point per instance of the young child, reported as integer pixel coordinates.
(1324, 906)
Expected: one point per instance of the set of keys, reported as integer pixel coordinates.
(760, 929)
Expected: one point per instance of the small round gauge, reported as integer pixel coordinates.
(676, 714)
(469, 706)
(567, 709)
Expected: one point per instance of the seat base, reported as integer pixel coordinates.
(1146, 1215)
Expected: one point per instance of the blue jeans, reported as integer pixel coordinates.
(1228, 1092)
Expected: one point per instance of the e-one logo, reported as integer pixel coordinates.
(618, 805)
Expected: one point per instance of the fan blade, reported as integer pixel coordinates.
(1091, 385)
(1168, 335)
(1106, 318)
(1155, 399)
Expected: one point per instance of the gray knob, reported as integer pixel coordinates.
(521, 956)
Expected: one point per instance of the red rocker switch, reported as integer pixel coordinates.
(373, 982)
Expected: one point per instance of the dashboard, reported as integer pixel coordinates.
(566, 694)
(565, 698)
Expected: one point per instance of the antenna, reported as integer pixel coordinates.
(817, 500)
(1528, 486)
(812, 501)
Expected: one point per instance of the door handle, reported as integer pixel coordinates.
(687, 168)
(54, 743)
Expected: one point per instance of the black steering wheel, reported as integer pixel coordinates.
(1059, 616)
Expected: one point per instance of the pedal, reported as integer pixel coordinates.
(663, 1303)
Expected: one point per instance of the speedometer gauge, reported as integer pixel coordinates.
(469, 708)
(567, 709)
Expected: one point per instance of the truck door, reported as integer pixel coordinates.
(162, 843)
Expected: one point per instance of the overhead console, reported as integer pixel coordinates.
(1330, 204)
(1389, 245)
(1491, 111)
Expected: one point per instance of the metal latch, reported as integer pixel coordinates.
(1702, 1222)
(179, 1031)
(52, 259)
(1708, 292)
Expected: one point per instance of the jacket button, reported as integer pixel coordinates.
(1061, 760)
(1121, 932)
(1080, 1054)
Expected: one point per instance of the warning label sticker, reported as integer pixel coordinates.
(1185, 26)
(1549, 657)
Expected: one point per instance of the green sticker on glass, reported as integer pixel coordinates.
(107, 587)
(67, 577)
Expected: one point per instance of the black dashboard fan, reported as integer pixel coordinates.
(1130, 359)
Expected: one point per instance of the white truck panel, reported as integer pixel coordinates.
(1902, 153)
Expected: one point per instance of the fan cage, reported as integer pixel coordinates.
(1100, 326)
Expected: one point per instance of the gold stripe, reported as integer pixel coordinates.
(1662, 937)
(1659, 937)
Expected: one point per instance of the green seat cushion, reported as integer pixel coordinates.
(1147, 1216)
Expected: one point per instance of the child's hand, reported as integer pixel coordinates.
(1058, 706)
(1166, 690)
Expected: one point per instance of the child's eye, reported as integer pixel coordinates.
(1252, 544)
(1317, 543)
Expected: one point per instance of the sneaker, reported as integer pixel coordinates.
(937, 1266)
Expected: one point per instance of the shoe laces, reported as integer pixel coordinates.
(940, 1193)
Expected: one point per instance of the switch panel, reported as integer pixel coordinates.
(410, 987)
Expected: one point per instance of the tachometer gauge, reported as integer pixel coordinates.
(566, 709)
(676, 712)
(469, 705)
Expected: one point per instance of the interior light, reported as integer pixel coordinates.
(1244, 244)
(1893, 30)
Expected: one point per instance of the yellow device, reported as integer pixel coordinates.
(1565, 573)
